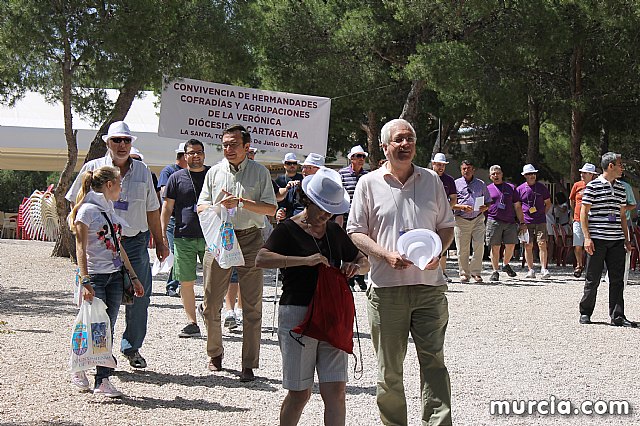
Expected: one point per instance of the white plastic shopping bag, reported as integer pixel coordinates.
(221, 238)
(163, 267)
(91, 339)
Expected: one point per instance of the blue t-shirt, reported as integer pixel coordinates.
(184, 187)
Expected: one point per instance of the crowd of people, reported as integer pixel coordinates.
(350, 220)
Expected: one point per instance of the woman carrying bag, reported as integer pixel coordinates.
(100, 257)
(299, 246)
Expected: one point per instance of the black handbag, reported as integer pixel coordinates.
(128, 294)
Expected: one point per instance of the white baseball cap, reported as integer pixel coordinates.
(136, 151)
(589, 168)
(290, 157)
(440, 158)
(325, 189)
(528, 168)
(180, 148)
(119, 129)
(314, 159)
(357, 150)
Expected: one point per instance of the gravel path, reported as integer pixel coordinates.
(516, 340)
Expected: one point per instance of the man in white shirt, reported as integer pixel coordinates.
(403, 299)
(242, 184)
(139, 207)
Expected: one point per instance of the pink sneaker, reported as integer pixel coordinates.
(107, 389)
(79, 380)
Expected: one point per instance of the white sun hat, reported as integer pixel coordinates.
(420, 246)
(314, 159)
(440, 158)
(528, 168)
(119, 129)
(290, 157)
(357, 150)
(180, 148)
(325, 190)
(136, 151)
(589, 168)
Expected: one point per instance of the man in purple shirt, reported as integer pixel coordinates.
(536, 202)
(473, 199)
(501, 221)
(438, 164)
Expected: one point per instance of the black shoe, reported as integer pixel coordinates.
(623, 322)
(215, 363)
(247, 375)
(191, 330)
(136, 360)
(585, 319)
(509, 271)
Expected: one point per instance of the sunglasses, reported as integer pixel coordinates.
(358, 156)
(290, 163)
(127, 141)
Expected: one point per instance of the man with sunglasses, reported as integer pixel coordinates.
(536, 202)
(290, 163)
(139, 207)
(350, 176)
(244, 185)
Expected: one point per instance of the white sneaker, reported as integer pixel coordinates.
(230, 320)
(544, 274)
(79, 380)
(530, 274)
(239, 317)
(107, 389)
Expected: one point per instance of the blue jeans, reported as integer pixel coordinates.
(136, 314)
(171, 226)
(108, 288)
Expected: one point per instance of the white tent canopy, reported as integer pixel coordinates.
(32, 135)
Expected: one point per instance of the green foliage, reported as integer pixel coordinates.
(17, 184)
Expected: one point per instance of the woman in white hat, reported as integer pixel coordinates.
(298, 245)
(587, 174)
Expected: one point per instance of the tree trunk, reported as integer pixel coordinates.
(65, 245)
(121, 107)
(533, 147)
(577, 113)
(410, 108)
(373, 146)
(604, 139)
(446, 130)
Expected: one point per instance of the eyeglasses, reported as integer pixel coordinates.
(194, 153)
(290, 163)
(358, 156)
(230, 145)
(127, 141)
(399, 140)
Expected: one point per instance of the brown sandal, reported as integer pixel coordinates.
(578, 271)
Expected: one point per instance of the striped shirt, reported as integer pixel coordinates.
(605, 200)
(350, 179)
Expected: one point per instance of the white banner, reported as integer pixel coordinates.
(277, 121)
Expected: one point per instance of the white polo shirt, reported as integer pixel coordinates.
(137, 190)
(382, 207)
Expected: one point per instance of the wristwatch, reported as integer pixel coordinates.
(86, 280)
